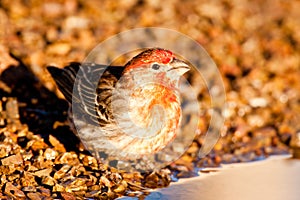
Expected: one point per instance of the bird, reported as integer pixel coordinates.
(125, 112)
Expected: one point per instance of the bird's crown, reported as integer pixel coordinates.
(158, 55)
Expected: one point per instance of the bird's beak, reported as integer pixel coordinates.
(179, 67)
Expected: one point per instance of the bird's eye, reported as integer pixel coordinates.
(155, 66)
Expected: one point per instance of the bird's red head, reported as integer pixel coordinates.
(158, 55)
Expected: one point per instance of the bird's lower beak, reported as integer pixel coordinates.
(179, 66)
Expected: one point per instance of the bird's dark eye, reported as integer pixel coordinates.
(155, 66)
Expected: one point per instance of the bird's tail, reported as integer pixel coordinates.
(65, 78)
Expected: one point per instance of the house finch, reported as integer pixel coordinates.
(127, 111)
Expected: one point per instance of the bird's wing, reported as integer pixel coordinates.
(82, 85)
(104, 92)
(65, 78)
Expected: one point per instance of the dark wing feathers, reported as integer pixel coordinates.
(81, 83)
(65, 78)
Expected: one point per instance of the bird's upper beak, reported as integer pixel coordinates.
(179, 66)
